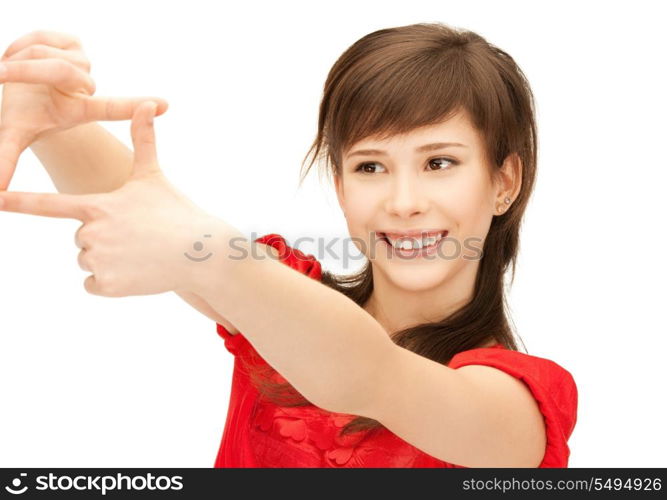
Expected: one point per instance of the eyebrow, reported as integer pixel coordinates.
(420, 149)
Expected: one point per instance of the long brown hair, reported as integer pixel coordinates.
(392, 81)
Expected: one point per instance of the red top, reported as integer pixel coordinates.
(261, 434)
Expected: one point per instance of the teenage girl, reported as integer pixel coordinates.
(429, 135)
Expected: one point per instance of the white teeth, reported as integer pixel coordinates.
(410, 243)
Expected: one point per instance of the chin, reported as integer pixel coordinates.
(416, 278)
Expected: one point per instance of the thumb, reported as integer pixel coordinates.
(143, 139)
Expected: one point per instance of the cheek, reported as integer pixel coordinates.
(361, 219)
(467, 206)
(359, 210)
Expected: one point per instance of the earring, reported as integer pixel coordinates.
(501, 208)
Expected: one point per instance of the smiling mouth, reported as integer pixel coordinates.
(408, 244)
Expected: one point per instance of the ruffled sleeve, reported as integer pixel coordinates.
(304, 263)
(552, 386)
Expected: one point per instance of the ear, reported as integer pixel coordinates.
(508, 178)
(340, 194)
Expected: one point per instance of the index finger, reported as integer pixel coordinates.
(118, 108)
(70, 206)
(52, 38)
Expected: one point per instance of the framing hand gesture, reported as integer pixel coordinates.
(132, 239)
(47, 88)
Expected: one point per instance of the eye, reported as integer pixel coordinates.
(363, 167)
(450, 162)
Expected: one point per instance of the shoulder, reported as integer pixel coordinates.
(549, 374)
(539, 384)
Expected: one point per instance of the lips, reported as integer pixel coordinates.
(413, 234)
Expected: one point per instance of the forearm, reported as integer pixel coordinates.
(84, 159)
(324, 344)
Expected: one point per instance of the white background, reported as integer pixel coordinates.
(144, 381)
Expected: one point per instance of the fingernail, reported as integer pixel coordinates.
(3, 70)
(2, 203)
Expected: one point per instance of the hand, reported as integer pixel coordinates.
(50, 91)
(132, 239)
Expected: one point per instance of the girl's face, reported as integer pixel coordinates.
(416, 182)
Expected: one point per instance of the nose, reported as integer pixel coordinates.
(405, 197)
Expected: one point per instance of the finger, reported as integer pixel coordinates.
(95, 287)
(71, 206)
(56, 72)
(52, 38)
(75, 57)
(143, 139)
(118, 108)
(91, 285)
(77, 237)
(81, 260)
(11, 147)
